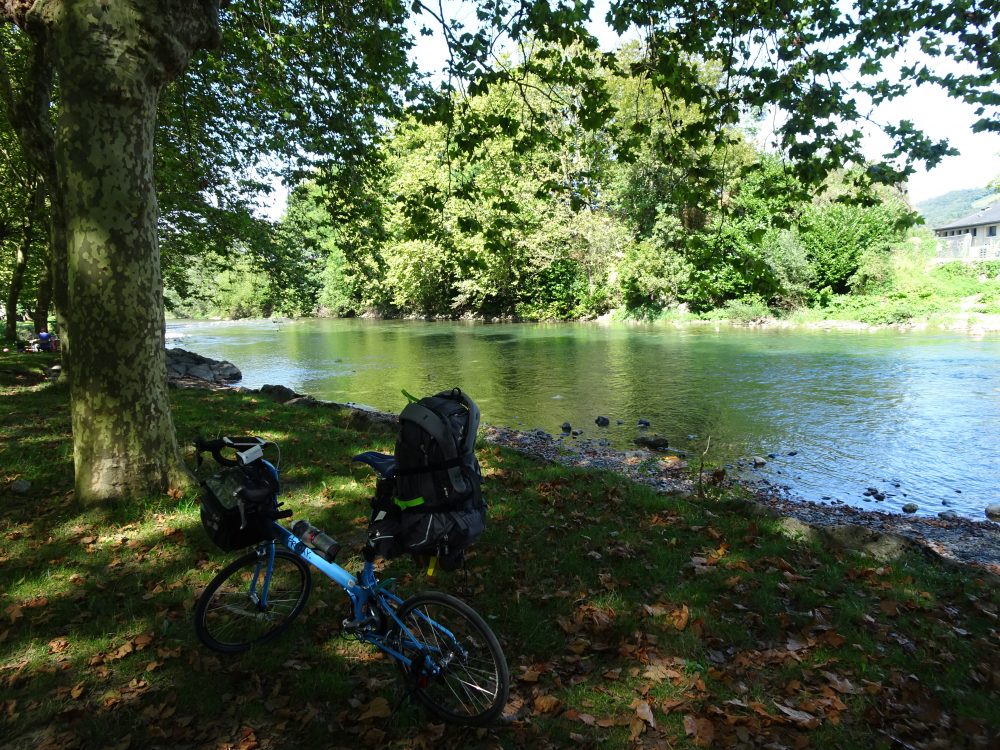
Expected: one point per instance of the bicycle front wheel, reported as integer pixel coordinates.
(458, 669)
(242, 607)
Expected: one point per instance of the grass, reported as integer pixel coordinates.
(628, 618)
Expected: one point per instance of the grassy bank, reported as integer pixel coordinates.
(628, 618)
(908, 289)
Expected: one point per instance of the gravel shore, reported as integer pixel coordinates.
(959, 540)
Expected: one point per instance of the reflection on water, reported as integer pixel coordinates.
(916, 416)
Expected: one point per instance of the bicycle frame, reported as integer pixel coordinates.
(361, 591)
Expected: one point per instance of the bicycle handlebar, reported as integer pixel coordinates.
(247, 449)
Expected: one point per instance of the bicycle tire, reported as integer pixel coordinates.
(227, 619)
(470, 689)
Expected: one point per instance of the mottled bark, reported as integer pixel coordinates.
(112, 58)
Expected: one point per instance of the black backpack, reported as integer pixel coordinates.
(428, 501)
(436, 464)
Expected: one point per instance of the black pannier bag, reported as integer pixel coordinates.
(220, 512)
(432, 503)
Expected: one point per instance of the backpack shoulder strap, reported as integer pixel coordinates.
(469, 442)
(432, 423)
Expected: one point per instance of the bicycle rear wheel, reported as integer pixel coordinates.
(459, 671)
(230, 617)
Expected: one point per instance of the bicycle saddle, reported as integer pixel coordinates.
(382, 463)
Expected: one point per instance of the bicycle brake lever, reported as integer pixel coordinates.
(242, 506)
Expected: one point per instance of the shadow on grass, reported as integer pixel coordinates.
(628, 617)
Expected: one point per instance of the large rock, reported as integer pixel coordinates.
(653, 442)
(183, 364)
(993, 511)
(280, 393)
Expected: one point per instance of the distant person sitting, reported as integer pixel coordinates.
(44, 342)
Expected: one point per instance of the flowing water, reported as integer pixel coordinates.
(914, 415)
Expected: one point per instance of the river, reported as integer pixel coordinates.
(914, 415)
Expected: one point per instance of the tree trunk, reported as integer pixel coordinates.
(43, 300)
(30, 115)
(112, 57)
(31, 212)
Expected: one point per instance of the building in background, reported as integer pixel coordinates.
(973, 237)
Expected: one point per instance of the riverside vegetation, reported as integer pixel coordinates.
(630, 618)
(475, 219)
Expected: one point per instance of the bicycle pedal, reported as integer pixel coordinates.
(353, 625)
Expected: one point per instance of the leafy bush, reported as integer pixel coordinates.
(838, 236)
(746, 310)
(652, 276)
(418, 274)
(786, 257)
(989, 302)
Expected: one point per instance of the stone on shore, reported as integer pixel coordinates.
(910, 508)
(993, 511)
(653, 442)
(602, 421)
(182, 364)
(280, 393)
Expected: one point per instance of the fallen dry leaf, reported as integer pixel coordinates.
(679, 617)
(58, 646)
(547, 704)
(803, 719)
(636, 727)
(377, 709)
(841, 684)
(700, 730)
(644, 712)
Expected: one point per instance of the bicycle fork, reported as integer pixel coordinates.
(258, 590)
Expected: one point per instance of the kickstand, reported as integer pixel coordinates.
(398, 704)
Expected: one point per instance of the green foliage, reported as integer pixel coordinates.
(749, 309)
(562, 183)
(417, 277)
(838, 237)
(654, 272)
(791, 271)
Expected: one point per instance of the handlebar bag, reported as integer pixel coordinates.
(220, 512)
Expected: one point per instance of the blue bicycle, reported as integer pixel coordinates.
(449, 658)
